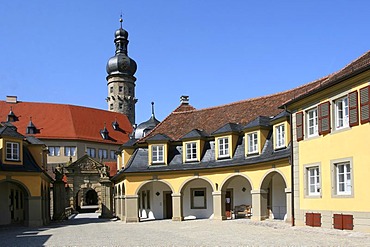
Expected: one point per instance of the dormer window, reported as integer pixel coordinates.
(11, 116)
(12, 151)
(104, 133)
(31, 128)
(157, 154)
(115, 125)
(223, 147)
(280, 136)
(191, 151)
(252, 139)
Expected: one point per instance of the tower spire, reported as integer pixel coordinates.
(152, 109)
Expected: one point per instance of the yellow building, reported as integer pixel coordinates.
(24, 184)
(331, 159)
(218, 163)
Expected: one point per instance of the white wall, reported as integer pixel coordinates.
(186, 204)
(278, 197)
(240, 197)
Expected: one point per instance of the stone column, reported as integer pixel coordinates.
(259, 205)
(121, 201)
(106, 198)
(177, 207)
(131, 208)
(35, 211)
(288, 195)
(219, 205)
(59, 198)
(117, 206)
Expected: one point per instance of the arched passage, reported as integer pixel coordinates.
(91, 197)
(14, 204)
(236, 193)
(154, 200)
(274, 185)
(197, 199)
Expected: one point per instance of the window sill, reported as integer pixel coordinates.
(252, 155)
(223, 157)
(343, 196)
(340, 130)
(279, 148)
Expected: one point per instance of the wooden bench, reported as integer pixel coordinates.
(242, 211)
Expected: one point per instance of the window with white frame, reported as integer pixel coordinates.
(341, 113)
(198, 198)
(312, 123)
(313, 179)
(112, 155)
(12, 151)
(223, 147)
(191, 151)
(69, 151)
(54, 151)
(252, 139)
(103, 154)
(157, 153)
(343, 178)
(280, 136)
(91, 152)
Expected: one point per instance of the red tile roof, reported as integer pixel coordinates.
(69, 122)
(185, 118)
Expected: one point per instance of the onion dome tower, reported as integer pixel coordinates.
(145, 127)
(120, 80)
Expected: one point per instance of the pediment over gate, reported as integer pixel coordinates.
(86, 164)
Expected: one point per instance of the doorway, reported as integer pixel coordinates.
(167, 207)
(228, 203)
(91, 198)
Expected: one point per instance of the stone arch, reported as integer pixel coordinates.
(150, 181)
(194, 178)
(274, 184)
(91, 197)
(14, 202)
(228, 179)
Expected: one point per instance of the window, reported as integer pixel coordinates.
(113, 155)
(252, 143)
(191, 151)
(120, 105)
(103, 154)
(111, 89)
(12, 150)
(223, 147)
(54, 151)
(341, 113)
(69, 151)
(91, 152)
(111, 106)
(120, 89)
(157, 154)
(198, 198)
(280, 136)
(312, 123)
(313, 180)
(343, 178)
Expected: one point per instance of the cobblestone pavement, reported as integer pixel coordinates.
(89, 230)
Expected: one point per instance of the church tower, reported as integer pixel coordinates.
(121, 80)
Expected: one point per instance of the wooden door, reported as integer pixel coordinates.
(167, 204)
(228, 202)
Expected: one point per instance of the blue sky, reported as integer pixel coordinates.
(217, 52)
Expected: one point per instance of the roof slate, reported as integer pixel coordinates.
(229, 127)
(194, 134)
(260, 121)
(61, 121)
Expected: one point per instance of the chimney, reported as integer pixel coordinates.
(11, 99)
(184, 100)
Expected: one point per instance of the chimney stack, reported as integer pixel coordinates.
(184, 100)
(11, 99)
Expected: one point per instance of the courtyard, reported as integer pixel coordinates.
(88, 230)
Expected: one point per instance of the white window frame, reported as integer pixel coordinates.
(191, 151)
(313, 181)
(112, 155)
(54, 150)
(312, 122)
(343, 178)
(223, 147)
(280, 136)
(70, 151)
(252, 139)
(91, 152)
(103, 153)
(341, 113)
(157, 154)
(12, 151)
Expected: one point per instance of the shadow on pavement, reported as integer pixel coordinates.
(17, 235)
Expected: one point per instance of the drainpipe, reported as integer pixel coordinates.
(291, 161)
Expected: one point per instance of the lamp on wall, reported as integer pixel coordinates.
(244, 189)
(157, 193)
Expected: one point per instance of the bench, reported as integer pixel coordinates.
(242, 211)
